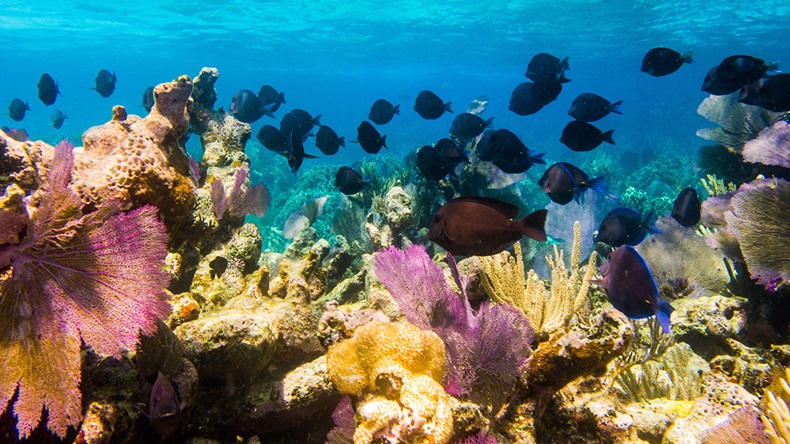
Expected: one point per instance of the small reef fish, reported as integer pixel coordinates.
(164, 410)
(47, 89)
(564, 182)
(522, 100)
(450, 152)
(431, 164)
(624, 226)
(468, 126)
(583, 136)
(544, 63)
(590, 107)
(17, 109)
(148, 98)
(271, 99)
(481, 226)
(57, 118)
(327, 141)
(429, 106)
(217, 267)
(105, 83)
(295, 152)
(630, 287)
(770, 92)
(300, 121)
(687, 208)
(735, 72)
(505, 150)
(382, 112)
(272, 139)
(547, 88)
(661, 61)
(369, 138)
(349, 181)
(246, 106)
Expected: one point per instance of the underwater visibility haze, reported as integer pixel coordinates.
(526, 221)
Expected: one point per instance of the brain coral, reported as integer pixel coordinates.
(395, 369)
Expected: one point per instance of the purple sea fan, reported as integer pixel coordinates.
(237, 204)
(93, 277)
(771, 147)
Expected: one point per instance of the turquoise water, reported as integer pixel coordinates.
(336, 58)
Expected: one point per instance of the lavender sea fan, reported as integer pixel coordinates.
(95, 278)
(238, 204)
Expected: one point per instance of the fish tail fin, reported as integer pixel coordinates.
(615, 107)
(607, 137)
(488, 123)
(396, 109)
(27, 105)
(384, 141)
(538, 158)
(564, 64)
(533, 225)
(773, 66)
(316, 120)
(649, 223)
(597, 184)
(448, 107)
(663, 313)
(686, 58)
(342, 141)
(268, 112)
(281, 98)
(57, 88)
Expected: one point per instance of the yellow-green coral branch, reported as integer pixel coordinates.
(777, 415)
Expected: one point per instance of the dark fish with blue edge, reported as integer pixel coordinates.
(164, 409)
(296, 152)
(429, 106)
(300, 121)
(735, 72)
(382, 111)
(272, 139)
(544, 63)
(482, 226)
(469, 126)
(369, 138)
(661, 61)
(105, 83)
(505, 150)
(770, 92)
(148, 98)
(590, 107)
(564, 182)
(217, 267)
(246, 106)
(48, 89)
(327, 140)
(450, 152)
(431, 163)
(624, 226)
(522, 100)
(271, 99)
(582, 136)
(630, 287)
(57, 118)
(17, 109)
(687, 208)
(349, 181)
(547, 88)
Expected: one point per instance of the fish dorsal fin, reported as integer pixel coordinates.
(508, 210)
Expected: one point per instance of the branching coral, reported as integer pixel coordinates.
(777, 415)
(93, 277)
(675, 377)
(506, 283)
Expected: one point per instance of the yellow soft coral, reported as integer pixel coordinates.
(395, 370)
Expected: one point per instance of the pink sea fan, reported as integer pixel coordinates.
(771, 147)
(238, 204)
(95, 277)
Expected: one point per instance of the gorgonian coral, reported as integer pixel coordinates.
(238, 204)
(72, 277)
(771, 147)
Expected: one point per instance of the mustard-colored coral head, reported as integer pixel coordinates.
(397, 349)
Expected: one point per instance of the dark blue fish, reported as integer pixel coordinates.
(57, 118)
(547, 88)
(687, 208)
(522, 100)
(300, 121)
(590, 107)
(17, 109)
(770, 92)
(431, 164)
(164, 410)
(544, 63)
(505, 150)
(349, 181)
(296, 153)
(664, 61)
(468, 126)
(583, 136)
(105, 83)
(382, 112)
(564, 182)
(271, 99)
(273, 140)
(735, 72)
(217, 267)
(148, 98)
(624, 226)
(48, 89)
(429, 106)
(369, 139)
(630, 287)
(246, 106)
(327, 141)
(450, 152)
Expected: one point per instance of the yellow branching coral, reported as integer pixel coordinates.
(715, 186)
(777, 415)
(505, 282)
(395, 371)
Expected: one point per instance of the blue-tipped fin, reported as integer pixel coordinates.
(663, 312)
(649, 223)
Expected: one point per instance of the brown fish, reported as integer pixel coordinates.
(481, 226)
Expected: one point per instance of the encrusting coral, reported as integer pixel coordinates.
(395, 371)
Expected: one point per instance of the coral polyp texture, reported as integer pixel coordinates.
(395, 371)
(73, 277)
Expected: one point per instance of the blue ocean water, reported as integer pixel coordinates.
(337, 58)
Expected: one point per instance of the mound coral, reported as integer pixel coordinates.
(396, 370)
(74, 277)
